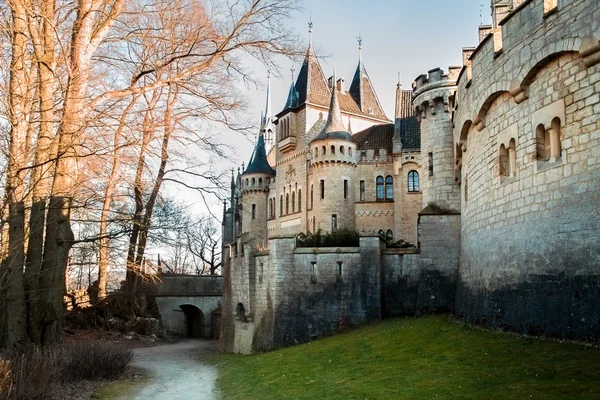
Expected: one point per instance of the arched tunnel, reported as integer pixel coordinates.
(194, 321)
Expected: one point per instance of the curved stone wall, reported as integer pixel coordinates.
(527, 135)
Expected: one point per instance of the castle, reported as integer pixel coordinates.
(492, 170)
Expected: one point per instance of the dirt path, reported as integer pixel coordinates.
(176, 372)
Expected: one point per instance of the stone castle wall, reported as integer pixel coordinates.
(531, 227)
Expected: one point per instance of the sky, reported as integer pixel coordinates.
(405, 37)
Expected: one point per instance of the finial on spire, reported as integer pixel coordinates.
(360, 42)
(481, 14)
(293, 70)
(399, 83)
(310, 29)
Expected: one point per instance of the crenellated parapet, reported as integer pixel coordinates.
(434, 91)
(524, 36)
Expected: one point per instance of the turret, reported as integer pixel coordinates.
(333, 159)
(433, 95)
(255, 187)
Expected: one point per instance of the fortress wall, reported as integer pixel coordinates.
(530, 259)
(310, 305)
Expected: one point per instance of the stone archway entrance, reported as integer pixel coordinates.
(194, 321)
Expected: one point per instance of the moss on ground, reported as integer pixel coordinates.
(119, 390)
(416, 358)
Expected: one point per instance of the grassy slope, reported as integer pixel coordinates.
(424, 358)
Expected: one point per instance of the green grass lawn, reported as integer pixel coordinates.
(416, 358)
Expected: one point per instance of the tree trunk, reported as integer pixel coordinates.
(108, 194)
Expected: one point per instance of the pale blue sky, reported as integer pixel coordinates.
(399, 36)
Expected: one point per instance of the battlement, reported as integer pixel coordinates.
(435, 78)
(523, 36)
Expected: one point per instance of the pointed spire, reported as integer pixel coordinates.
(292, 99)
(267, 114)
(334, 127)
(334, 119)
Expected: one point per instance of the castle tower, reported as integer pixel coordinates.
(255, 187)
(333, 159)
(433, 94)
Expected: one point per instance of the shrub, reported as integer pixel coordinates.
(339, 238)
(93, 361)
(5, 379)
(400, 244)
(32, 373)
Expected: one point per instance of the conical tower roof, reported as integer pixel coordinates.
(258, 162)
(334, 128)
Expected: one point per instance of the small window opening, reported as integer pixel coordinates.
(333, 222)
(430, 163)
(322, 189)
(389, 188)
(342, 150)
(253, 211)
(345, 188)
(313, 271)
(362, 190)
(299, 199)
(332, 150)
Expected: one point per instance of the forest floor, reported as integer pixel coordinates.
(416, 358)
(175, 371)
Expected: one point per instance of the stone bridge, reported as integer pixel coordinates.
(190, 305)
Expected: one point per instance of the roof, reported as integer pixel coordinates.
(311, 87)
(376, 137)
(381, 136)
(364, 95)
(258, 162)
(334, 128)
(404, 103)
(410, 133)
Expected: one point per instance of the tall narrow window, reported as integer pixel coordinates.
(332, 150)
(512, 158)
(333, 222)
(322, 188)
(253, 211)
(313, 271)
(314, 225)
(555, 139)
(389, 188)
(362, 190)
(340, 270)
(293, 201)
(345, 188)
(299, 199)
(413, 181)
(311, 197)
(287, 203)
(380, 188)
(430, 163)
(281, 205)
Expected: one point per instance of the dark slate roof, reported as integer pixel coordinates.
(410, 133)
(381, 136)
(364, 95)
(376, 137)
(258, 162)
(293, 98)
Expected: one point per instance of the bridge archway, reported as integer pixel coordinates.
(194, 321)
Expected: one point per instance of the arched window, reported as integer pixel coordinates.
(389, 188)
(281, 205)
(323, 151)
(342, 150)
(332, 150)
(413, 181)
(240, 314)
(247, 181)
(543, 143)
(299, 199)
(503, 161)
(381, 233)
(316, 152)
(287, 203)
(350, 151)
(311, 197)
(260, 181)
(389, 236)
(253, 181)
(379, 188)
(293, 201)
